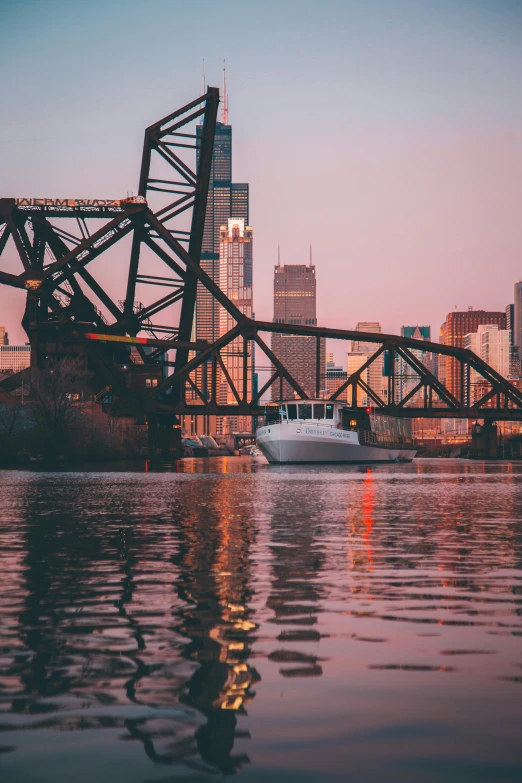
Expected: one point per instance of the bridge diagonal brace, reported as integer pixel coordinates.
(265, 388)
(283, 372)
(13, 280)
(371, 393)
(412, 393)
(4, 237)
(198, 272)
(428, 377)
(191, 365)
(195, 387)
(356, 375)
(171, 263)
(478, 405)
(499, 383)
(24, 252)
(229, 379)
(93, 245)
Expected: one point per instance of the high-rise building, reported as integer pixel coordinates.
(517, 317)
(514, 351)
(295, 303)
(373, 376)
(335, 376)
(510, 318)
(453, 332)
(235, 279)
(407, 378)
(355, 360)
(492, 345)
(4, 337)
(14, 358)
(225, 200)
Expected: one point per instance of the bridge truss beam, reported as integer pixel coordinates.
(70, 309)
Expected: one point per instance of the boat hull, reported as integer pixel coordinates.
(297, 442)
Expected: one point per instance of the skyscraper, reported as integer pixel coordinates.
(453, 331)
(14, 358)
(358, 355)
(492, 345)
(407, 378)
(514, 323)
(235, 251)
(514, 350)
(225, 200)
(295, 303)
(4, 337)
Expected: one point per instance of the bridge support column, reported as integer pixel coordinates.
(164, 441)
(485, 440)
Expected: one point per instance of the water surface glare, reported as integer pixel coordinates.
(281, 623)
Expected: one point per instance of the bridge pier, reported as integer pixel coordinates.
(485, 440)
(164, 440)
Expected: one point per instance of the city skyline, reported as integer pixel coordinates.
(422, 197)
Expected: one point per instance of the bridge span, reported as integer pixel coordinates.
(62, 245)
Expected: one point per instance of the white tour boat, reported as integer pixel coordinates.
(319, 431)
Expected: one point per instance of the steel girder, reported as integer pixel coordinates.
(64, 299)
(69, 308)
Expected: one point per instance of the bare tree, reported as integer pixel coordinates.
(10, 417)
(56, 391)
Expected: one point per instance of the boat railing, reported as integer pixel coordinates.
(308, 422)
(369, 438)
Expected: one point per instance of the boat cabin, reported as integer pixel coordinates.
(372, 425)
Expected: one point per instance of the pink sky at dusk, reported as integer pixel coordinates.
(388, 134)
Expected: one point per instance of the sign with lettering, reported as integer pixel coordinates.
(79, 202)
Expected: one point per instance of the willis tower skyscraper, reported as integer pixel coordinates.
(226, 199)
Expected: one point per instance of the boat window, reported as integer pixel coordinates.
(329, 412)
(271, 415)
(319, 410)
(305, 411)
(292, 410)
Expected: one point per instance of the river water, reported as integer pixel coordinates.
(280, 623)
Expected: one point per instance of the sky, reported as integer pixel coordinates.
(386, 132)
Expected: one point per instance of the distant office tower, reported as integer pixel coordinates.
(235, 279)
(510, 318)
(406, 377)
(295, 303)
(492, 345)
(14, 358)
(355, 360)
(4, 337)
(514, 359)
(453, 332)
(225, 200)
(335, 377)
(517, 317)
(373, 376)
(514, 362)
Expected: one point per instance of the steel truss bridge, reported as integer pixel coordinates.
(60, 247)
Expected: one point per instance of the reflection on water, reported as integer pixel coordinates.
(287, 622)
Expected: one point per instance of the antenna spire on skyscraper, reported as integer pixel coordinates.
(224, 110)
(278, 255)
(203, 86)
(310, 252)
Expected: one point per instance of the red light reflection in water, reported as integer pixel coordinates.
(367, 509)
